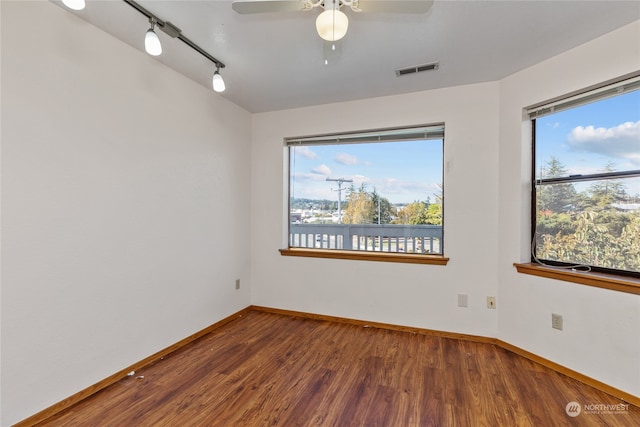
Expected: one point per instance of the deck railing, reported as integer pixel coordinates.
(368, 237)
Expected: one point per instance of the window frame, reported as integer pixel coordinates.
(624, 84)
(383, 135)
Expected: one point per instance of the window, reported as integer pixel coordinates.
(374, 191)
(586, 180)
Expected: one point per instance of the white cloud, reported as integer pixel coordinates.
(358, 180)
(305, 152)
(302, 176)
(323, 170)
(406, 191)
(299, 176)
(346, 159)
(622, 141)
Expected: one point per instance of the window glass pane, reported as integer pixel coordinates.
(383, 196)
(594, 223)
(592, 217)
(602, 136)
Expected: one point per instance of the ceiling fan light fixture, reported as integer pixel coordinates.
(332, 25)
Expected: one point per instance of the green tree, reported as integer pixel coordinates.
(600, 197)
(434, 210)
(418, 212)
(434, 214)
(359, 207)
(413, 213)
(602, 194)
(595, 243)
(555, 198)
(382, 209)
(555, 202)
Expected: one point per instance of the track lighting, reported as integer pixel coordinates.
(218, 82)
(151, 41)
(74, 4)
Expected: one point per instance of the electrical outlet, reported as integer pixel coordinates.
(462, 300)
(491, 302)
(237, 283)
(556, 321)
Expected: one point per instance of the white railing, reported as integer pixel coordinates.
(368, 237)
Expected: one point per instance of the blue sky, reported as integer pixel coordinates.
(402, 172)
(586, 138)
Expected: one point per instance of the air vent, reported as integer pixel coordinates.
(417, 69)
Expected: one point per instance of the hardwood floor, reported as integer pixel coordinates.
(268, 369)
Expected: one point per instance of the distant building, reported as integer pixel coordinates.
(627, 206)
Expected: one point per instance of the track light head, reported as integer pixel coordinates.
(152, 42)
(218, 82)
(74, 4)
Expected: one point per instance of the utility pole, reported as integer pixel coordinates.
(378, 197)
(340, 181)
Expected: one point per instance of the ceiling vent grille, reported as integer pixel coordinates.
(417, 69)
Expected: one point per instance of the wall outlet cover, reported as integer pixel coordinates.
(556, 321)
(463, 300)
(491, 302)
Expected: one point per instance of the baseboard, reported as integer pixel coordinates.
(81, 395)
(421, 331)
(112, 379)
(598, 385)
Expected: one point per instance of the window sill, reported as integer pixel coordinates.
(629, 285)
(366, 256)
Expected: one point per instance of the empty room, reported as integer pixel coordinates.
(386, 213)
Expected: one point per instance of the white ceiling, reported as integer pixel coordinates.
(275, 61)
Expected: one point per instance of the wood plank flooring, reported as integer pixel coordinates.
(268, 369)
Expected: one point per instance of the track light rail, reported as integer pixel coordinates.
(173, 31)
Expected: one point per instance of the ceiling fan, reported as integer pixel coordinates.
(332, 23)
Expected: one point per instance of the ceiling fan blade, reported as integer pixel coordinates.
(395, 6)
(265, 6)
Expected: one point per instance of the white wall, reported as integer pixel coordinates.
(125, 206)
(487, 153)
(415, 295)
(601, 336)
(0, 223)
(117, 174)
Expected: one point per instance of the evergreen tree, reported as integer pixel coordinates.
(555, 198)
(382, 209)
(605, 192)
